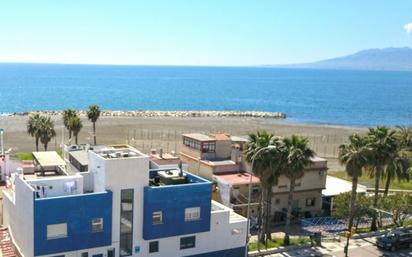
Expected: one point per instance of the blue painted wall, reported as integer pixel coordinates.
(77, 211)
(172, 201)
(234, 252)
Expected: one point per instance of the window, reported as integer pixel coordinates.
(209, 147)
(56, 231)
(310, 201)
(157, 217)
(192, 214)
(189, 142)
(85, 254)
(110, 252)
(277, 201)
(97, 225)
(126, 222)
(187, 242)
(255, 189)
(153, 247)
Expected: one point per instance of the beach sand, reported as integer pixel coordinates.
(159, 132)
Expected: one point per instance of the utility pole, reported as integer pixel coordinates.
(2, 141)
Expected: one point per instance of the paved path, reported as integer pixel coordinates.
(358, 248)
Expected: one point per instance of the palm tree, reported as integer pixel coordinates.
(46, 130)
(93, 115)
(75, 125)
(33, 128)
(383, 146)
(298, 156)
(354, 156)
(400, 162)
(267, 168)
(67, 114)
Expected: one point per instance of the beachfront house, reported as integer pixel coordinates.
(116, 207)
(219, 158)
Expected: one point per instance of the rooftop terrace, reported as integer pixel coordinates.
(120, 151)
(171, 177)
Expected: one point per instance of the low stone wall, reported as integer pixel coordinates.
(178, 114)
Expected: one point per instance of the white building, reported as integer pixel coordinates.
(118, 207)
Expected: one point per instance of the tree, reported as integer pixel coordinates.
(399, 205)
(267, 168)
(33, 128)
(298, 156)
(46, 130)
(354, 156)
(67, 114)
(362, 209)
(383, 146)
(75, 125)
(93, 115)
(399, 164)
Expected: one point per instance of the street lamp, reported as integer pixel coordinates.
(250, 192)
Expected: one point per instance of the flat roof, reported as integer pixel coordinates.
(317, 159)
(239, 178)
(199, 137)
(335, 186)
(238, 139)
(218, 162)
(81, 156)
(50, 158)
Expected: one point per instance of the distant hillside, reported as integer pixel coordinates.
(396, 59)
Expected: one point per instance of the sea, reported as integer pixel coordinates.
(335, 97)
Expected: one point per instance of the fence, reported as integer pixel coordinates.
(171, 140)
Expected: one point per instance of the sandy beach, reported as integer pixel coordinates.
(165, 132)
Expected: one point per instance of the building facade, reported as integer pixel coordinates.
(118, 207)
(219, 158)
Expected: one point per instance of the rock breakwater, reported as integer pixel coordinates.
(177, 114)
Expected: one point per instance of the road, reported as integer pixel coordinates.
(358, 248)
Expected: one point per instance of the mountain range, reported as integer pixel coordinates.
(390, 59)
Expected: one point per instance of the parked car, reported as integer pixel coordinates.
(394, 240)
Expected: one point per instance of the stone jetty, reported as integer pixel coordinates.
(177, 114)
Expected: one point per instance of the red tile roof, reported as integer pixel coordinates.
(221, 136)
(6, 245)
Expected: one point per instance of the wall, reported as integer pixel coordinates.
(195, 153)
(54, 186)
(77, 211)
(223, 149)
(122, 173)
(217, 242)
(172, 201)
(301, 197)
(313, 179)
(18, 215)
(91, 252)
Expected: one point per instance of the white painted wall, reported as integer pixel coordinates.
(122, 173)
(18, 215)
(91, 251)
(54, 186)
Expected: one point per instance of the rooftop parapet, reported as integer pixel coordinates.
(120, 151)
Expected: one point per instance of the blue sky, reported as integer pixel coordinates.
(197, 32)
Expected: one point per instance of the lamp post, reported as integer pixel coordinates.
(250, 192)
